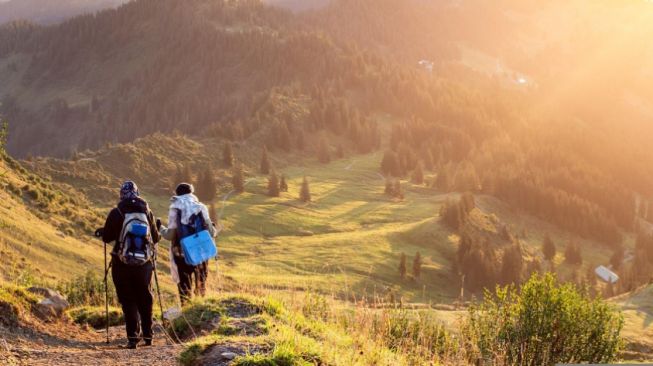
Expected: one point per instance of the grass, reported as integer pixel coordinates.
(95, 316)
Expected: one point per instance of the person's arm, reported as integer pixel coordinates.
(112, 227)
(169, 232)
(156, 236)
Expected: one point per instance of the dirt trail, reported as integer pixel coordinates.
(67, 344)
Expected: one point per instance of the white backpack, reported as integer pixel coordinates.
(135, 243)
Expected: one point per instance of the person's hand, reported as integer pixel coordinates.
(99, 232)
(158, 224)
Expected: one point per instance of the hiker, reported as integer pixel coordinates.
(185, 210)
(132, 227)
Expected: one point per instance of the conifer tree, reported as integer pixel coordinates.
(323, 155)
(283, 185)
(390, 164)
(403, 270)
(273, 185)
(207, 187)
(305, 192)
(417, 265)
(4, 131)
(237, 180)
(512, 264)
(617, 258)
(548, 248)
(442, 181)
(418, 175)
(573, 254)
(397, 190)
(265, 162)
(228, 155)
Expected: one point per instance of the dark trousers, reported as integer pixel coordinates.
(186, 274)
(135, 296)
(201, 273)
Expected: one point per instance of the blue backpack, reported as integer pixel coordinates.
(196, 242)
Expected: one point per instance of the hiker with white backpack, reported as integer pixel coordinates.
(192, 235)
(131, 225)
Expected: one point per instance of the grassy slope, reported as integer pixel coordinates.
(346, 242)
(42, 238)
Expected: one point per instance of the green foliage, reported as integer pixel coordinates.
(237, 179)
(573, 254)
(403, 270)
(195, 317)
(548, 248)
(542, 323)
(15, 305)
(283, 185)
(273, 185)
(305, 192)
(265, 165)
(417, 265)
(228, 155)
(4, 131)
(95, 316)
(88, 290)
(207, 187)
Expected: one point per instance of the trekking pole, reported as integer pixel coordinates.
(158, 292)
(106, 292)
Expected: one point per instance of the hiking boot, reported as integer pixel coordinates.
(132, 344)
(147, 342)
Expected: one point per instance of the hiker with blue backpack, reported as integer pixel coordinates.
(131, 225)
(192, 235)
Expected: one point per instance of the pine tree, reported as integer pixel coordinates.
(417, 265)
(4, 131)
(228, 155)
(397, 190)
(323, 155)
(548, 248)
(305, 192)
(512, 264)
(402, 266)
(283, 185)
(442, 181)
(273, 185)
(265, 162)
(617, 258)
(237, 180)
(390, 164)
(573, 254)
(207, 188)
(389, 188)
(418, 175)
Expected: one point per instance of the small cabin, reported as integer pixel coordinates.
(606, 274)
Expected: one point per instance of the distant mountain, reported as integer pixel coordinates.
(298, 5)
(50, 11)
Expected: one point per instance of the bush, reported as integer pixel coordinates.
(542, 324)
(88, 290)
(95, 316)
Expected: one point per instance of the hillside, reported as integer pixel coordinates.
(50, 11)
(346, 242)
(44, 223)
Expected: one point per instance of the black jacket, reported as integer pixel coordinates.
(113, 225)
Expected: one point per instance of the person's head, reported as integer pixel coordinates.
(184, 188)
(128, 190)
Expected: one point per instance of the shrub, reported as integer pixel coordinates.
(88, 290)
(95, 316)
(543, 323)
